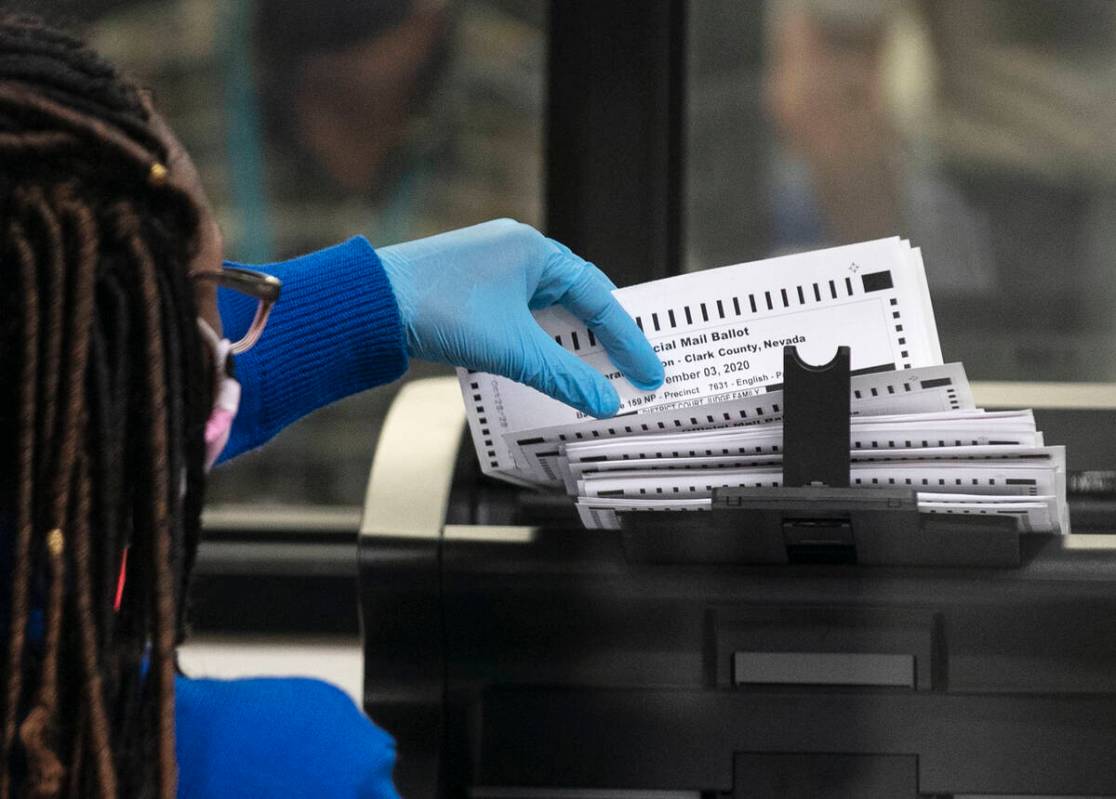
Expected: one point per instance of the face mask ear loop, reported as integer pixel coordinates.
(221, 346)
(226, 400)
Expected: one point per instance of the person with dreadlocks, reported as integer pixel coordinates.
(118, 396)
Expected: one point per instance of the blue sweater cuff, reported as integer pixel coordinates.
(270, 737)
(334, 332)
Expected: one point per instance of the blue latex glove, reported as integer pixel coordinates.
(277, 738)
(466, 299)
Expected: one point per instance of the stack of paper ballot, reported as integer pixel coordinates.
(716, 421)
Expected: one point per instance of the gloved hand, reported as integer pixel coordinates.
(466, 299)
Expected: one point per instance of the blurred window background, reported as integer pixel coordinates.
(979, 129)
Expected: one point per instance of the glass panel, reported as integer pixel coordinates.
(315, 121)
(979, 129)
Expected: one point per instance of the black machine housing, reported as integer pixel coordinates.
(812, 641)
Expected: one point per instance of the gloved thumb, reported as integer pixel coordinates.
(565, 377)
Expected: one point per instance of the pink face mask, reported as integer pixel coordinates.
(226, 400)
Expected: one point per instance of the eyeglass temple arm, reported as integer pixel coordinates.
(263, 311)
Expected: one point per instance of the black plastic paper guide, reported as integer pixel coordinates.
(815, 516)
(959, 463)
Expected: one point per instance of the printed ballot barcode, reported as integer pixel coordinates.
(654, 449)
(971, 478)
(687, 315)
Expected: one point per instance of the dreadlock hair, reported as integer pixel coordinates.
(105, 393)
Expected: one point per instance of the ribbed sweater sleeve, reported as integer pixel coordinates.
(335, 331)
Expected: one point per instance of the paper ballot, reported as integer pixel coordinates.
(717, 421)
(720, 334)
(936, 388)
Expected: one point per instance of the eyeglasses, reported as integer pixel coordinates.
(262, 287)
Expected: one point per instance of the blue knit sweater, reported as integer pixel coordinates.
(335, 331)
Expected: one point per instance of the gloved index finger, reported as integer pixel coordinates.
(585, 292)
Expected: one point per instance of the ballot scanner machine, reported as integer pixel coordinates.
(515, 654)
